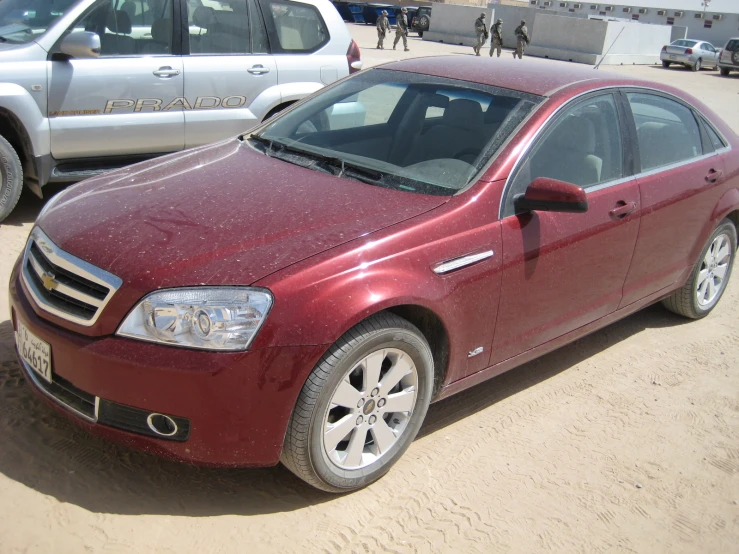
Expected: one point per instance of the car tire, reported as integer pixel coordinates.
(423, 21)
(686, 301)
(665, 64)
(11, 178)
(420, 34)
(697, 65)
(352, 457)
(724, 71)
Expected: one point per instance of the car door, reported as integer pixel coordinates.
(128, 100)
(708, 53)
(679, 182)
(229, 70)
(564, 270)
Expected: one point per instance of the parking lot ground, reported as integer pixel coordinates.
(624, 441)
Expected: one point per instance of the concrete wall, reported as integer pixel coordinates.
(454, 24)
(597, 40)
(718, 34)
(512, 16)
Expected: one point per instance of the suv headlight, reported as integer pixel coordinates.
(210, 318)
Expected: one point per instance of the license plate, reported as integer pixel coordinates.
(673, 57)
(34, 351)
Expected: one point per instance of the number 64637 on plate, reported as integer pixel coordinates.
(34, 351)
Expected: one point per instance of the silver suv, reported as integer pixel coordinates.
(87, 86)
(729, 58)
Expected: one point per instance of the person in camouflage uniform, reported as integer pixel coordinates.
(481, 32)
(496, 41)
(522, 39)
(383, 27)
(401, 30)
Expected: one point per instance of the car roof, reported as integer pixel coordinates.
(540, 77)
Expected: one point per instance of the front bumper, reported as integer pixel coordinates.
(237, 404)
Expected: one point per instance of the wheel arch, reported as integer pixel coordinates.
(12, 130)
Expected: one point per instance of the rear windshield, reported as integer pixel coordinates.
(685, 43)
(400, 130)
(733, 45)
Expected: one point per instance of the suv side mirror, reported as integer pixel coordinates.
(550, 195)
(81, 44)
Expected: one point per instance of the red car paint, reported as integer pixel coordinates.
(334, 251)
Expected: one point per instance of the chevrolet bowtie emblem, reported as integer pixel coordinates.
(48, 280)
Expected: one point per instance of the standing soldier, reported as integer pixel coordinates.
(401, 30)
(522, 39)
(383, 27)
(481, 31)
(497, 38)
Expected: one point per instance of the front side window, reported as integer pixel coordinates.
(225, 27)
(583, 147)
(299, 27)
(399, 130)
(23, 21)
(667, 131)
(130, 27)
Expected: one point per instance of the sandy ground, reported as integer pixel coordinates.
(625, 441)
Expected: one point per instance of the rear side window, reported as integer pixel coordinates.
(716, 140)
(667, 131)
(299, 27)
(225, 27)
(733, 45)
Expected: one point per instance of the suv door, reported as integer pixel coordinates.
(127, 101)
(564, 270)
(229, 70)
(679, 184)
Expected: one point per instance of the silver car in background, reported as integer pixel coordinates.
(693, 54)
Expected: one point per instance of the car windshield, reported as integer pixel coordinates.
(685, 43)
(23, 21)
(405, 131)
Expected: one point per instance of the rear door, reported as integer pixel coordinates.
(564, 270)
(679, 182)
(229, 70)
(127, 101)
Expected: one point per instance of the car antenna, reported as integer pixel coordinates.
(609, 48)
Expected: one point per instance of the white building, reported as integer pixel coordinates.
(716, 22)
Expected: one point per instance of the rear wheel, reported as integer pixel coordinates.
(697, 65)
(11, 178)
(725, 71)
(665, 64)
(361, 406)
(710, 275)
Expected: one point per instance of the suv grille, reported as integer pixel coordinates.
(65, 285)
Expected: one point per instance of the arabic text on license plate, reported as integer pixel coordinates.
(34, 351)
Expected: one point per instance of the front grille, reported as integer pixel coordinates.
(63, 284)
(65, 393)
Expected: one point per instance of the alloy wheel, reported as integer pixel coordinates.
(714, 267)
(370, 409)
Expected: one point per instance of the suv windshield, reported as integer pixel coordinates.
(22, 21)
(399, 130)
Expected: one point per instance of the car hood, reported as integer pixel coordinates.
(220, 214)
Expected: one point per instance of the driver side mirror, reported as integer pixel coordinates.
(81, 44)
(550, 195)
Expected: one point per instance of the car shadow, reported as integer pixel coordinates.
(29, 205)
(44, 451)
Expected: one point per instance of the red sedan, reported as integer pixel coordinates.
(303, 292)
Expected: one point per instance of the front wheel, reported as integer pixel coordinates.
(697, 65)
(710, 275)
(11, 178)
(361, 406)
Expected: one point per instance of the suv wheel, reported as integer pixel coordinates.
(11, 178)
(361, 406)
(710, 275)
(725, 71)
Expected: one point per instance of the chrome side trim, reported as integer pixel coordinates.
(464, 261)
(525, 150)
(74, 265)
(30, 374)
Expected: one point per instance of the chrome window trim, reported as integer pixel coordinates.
(464, 261)
(73, 264)
(29, 373)
(527, 147)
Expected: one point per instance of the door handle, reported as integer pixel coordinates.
(713, 175)
(622, 210)
(166, 72)
(258, 70)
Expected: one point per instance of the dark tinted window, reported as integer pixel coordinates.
(733, 45)
(668, 132)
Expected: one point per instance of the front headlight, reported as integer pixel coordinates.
(211, 318)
